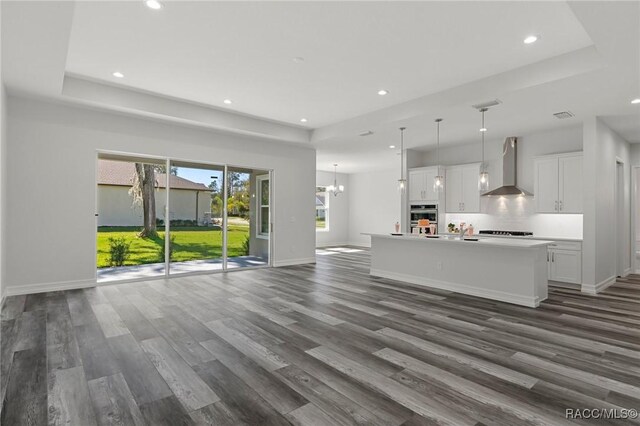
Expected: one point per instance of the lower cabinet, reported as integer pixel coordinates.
(564, 260)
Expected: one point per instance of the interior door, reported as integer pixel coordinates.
(546, 185)
(570, 184)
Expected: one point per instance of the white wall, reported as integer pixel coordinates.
(338, 232)
(602, 147)
(52, 148)
(3, 180)
(374, 205)
(515, 213)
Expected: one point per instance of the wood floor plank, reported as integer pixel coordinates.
(245, 403)
(275, 392)
(68, 396)
(407, 397)
(144, 381)
(97, 358)
(186, 346)
(263, 356)
(215, 414)
(166, 412)
(469, 388)
(310, 414)
(135, 322)
(113, 402)
(12, 307)
(109, 320)
(26, 394)
(62, 346)
(190, 390)
(477, 363)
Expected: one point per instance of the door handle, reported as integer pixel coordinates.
(553, 256)
(560, 205)
(556, 206)
(547, 256)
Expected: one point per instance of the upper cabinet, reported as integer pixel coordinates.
(421, 184)
(461, 186)
(558, 183)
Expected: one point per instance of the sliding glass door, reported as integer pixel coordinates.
(216, 217)
(196, 217)
(130, 205)
(248, 217)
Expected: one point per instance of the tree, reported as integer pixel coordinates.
(143, 192)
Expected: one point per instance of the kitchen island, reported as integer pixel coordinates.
(508, 270)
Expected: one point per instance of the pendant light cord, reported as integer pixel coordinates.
(438, 120)
(483, 132)
(402, 153)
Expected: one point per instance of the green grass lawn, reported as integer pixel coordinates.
(190, 243)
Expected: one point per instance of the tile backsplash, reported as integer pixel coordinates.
(518, 214)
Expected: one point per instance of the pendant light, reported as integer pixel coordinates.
(483, 179)
(335, 189)
(402, 182)
(438, 181)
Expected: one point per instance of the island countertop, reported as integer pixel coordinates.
(504, 269)
(481, 240)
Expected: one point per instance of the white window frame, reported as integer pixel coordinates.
(259, 206)
(327, 212)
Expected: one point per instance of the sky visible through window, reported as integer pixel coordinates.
(199, 175)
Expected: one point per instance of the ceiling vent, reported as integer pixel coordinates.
(562, 115)
(487, 104)
(367, 133)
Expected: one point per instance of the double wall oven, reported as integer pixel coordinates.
(423, 211)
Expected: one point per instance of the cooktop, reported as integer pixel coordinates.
(511, 233)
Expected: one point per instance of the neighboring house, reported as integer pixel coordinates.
(189, 200)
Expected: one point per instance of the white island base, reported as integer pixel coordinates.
(513, 271)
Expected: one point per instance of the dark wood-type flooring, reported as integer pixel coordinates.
(322, 344)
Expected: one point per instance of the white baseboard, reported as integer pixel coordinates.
(597, 288)
(531, 302)
(626, 272)
(359, 244)
(292, 262)
(46, 287)
(332, 245)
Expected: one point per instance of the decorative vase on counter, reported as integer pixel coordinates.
(470, 230)
(397, 226)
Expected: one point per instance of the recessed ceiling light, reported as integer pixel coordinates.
(298, 59)
(392, 146)
(483, 129)
(636, 101)
(118, 74)
(530, 39)
(153, 4)
(382, 92)
(227, 101)
(303, 120)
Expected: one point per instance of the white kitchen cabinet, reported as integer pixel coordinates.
(565, 262)
(421, 184)
(461, 187)
(558, 183)
(546, 185)
(570, 184)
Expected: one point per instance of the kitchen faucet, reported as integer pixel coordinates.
(462, 230)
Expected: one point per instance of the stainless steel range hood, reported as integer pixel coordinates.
(509, 171)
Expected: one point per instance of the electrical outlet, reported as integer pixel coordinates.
(439, 266)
